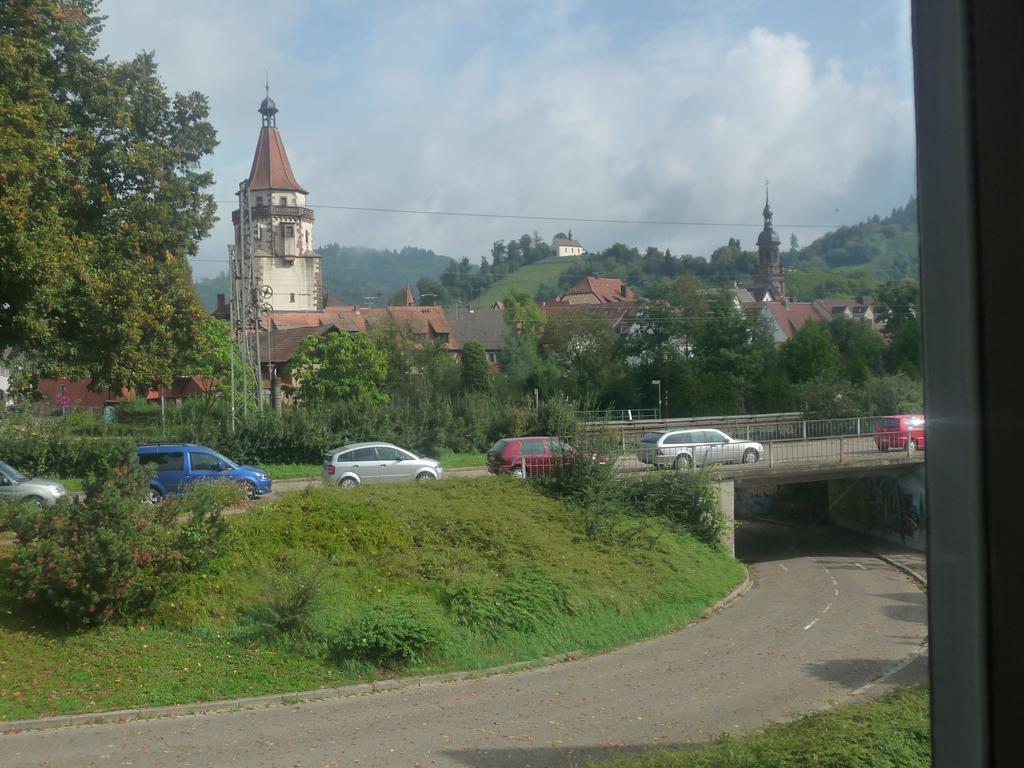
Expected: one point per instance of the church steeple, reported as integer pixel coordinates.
(767, 212)
(769, 282)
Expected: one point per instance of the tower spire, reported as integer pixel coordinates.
(268, 108)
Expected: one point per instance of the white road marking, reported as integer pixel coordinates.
(860, 566)
(810, 625)
(783, 567)
(836, 592)
(827, 608)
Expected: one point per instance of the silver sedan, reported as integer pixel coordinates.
(376, 463)
(14, 486)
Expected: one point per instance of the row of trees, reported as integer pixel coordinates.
(710, 358)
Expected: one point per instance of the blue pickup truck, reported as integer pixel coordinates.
(176, 466)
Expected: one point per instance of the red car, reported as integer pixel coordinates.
(529, 456)
(896, 431)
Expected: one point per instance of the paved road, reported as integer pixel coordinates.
(821, 621)
(809, 452)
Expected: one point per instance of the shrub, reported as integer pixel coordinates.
(36, 452)
(393, 631)
(529, 599)
(586, 482)
(688, 500)
(112, 556)
(292, 600)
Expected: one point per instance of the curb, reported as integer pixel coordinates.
(914, 575)
(272, 699)
(320, 694)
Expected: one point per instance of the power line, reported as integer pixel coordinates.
(533, 217)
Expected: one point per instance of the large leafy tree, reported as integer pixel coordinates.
(897, 303)
(340, 367)
(591, 357)
(811, 353)
(860, 346)
(101, 201)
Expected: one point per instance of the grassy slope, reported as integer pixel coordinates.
(530, 278)
(384, 541)
(892, 732)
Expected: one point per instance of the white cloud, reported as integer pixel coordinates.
(450, 107)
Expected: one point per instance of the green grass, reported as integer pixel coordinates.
(890, 732)
(462, 460)
(530, 278)
(292, 471)
(376, 545)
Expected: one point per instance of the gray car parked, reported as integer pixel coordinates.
(14, 486)
(376, 463)
(686, 448)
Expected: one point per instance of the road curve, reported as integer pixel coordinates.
(821, 620)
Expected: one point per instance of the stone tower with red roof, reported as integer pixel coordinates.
(282, 225)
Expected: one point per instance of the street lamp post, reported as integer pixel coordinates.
(658, 382)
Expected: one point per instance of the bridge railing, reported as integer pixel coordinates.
(762, 428)
(785, 446)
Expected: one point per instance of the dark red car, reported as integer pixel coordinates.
(897, 431)
(529, 456)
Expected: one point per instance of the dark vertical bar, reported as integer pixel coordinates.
(997, 52)
(957, 581)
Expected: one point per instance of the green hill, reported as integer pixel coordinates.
(535, 278)
(874, 251)
(351, 273)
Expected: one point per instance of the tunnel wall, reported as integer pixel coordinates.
(891, 508)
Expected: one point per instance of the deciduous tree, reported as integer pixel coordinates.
(340, 367)
(101, 201)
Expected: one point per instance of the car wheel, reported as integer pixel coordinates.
(348, 482)
(883, 448)
(36, 500)
(750, 456)
(519, 473)
(154, 496)
(913, 445)
(683, 462)
(250, 489)
(425, 476)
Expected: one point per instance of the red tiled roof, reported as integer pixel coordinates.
(284, 320)
(607, 290)
(428, 322)
(791, 315)
(270, 166)
(280, 346)
(616, 314)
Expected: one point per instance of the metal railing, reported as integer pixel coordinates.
(791, 451)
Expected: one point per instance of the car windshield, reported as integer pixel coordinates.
(226, 460)
(12, 473)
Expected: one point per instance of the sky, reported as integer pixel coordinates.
(635, 112)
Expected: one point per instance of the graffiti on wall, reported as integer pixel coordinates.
(891, 507)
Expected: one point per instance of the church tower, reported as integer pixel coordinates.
(769, 284)
(281, 225)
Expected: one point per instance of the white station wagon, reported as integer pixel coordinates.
(686, 448)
